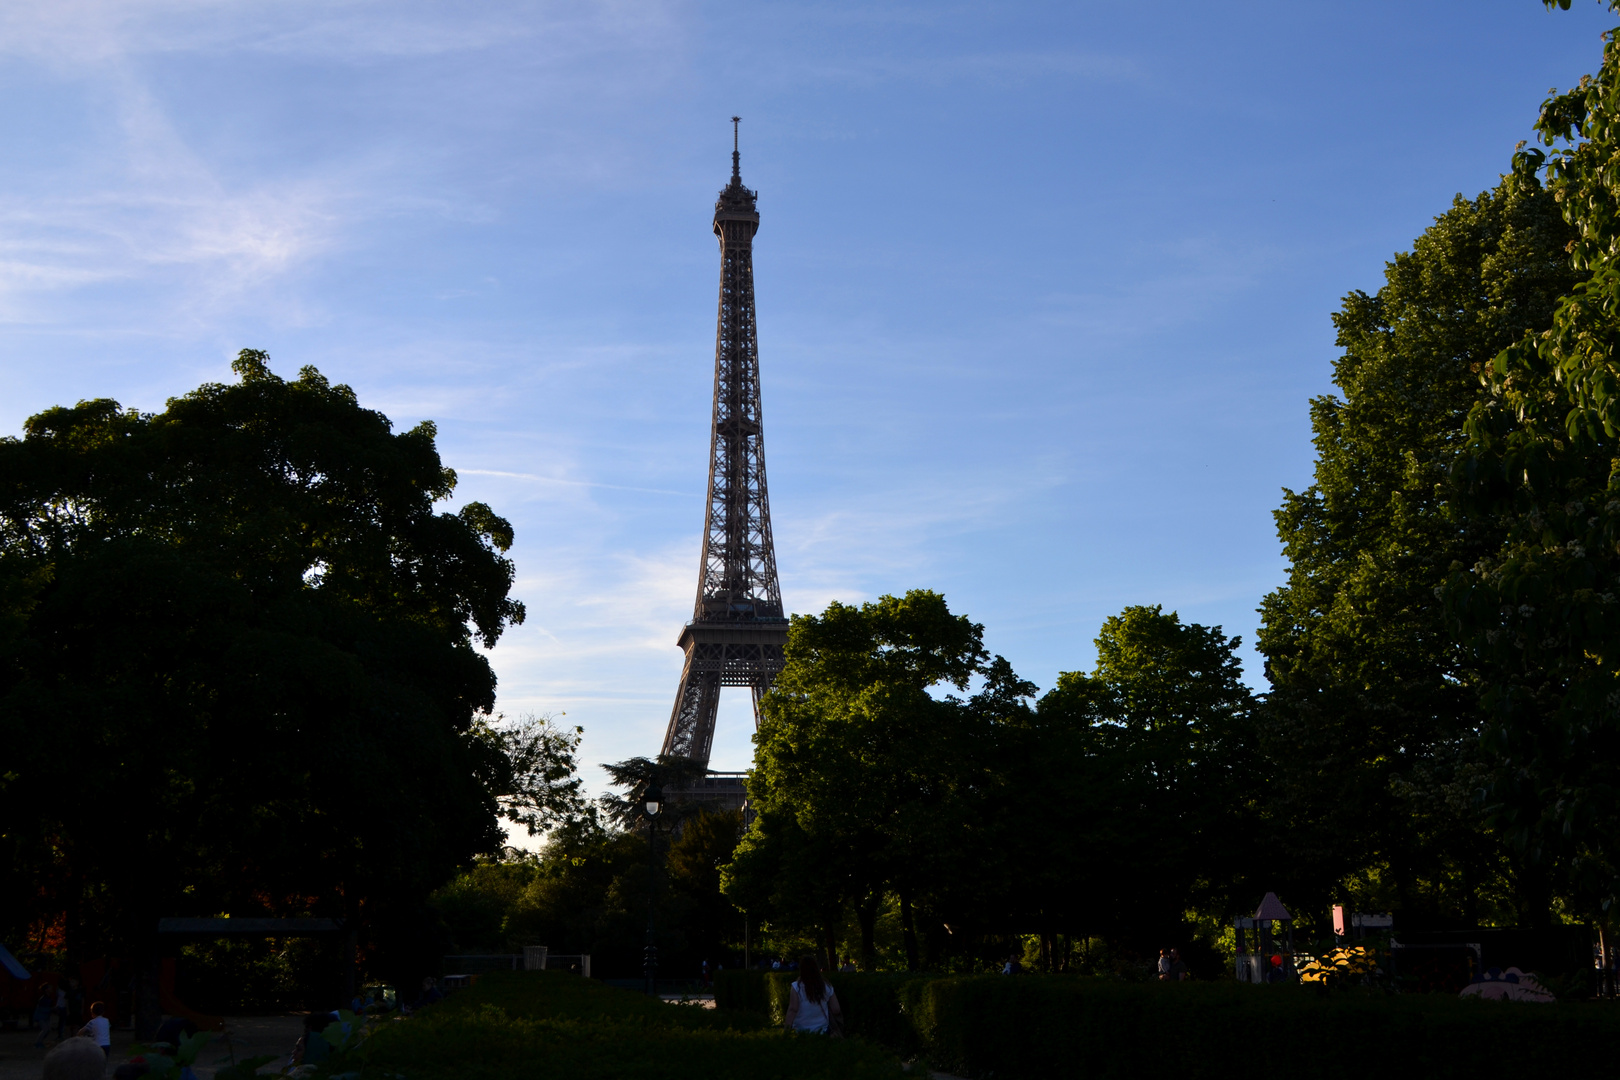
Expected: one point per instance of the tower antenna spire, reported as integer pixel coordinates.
(736, 157)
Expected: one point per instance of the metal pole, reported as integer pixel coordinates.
(651, 955)
(1602, 963)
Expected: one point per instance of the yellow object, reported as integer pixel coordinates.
(1352, 964)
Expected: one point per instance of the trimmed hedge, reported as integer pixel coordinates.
(1048, 1026)
(871, 1003)
(542, 1025)
(559, 995)
(743, 990)
(1035, 1027)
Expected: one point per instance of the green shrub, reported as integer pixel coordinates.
(870, 1002)
(873, 1009)
(1053, 1026)
(539, 1025)
(743, 990)
(1061, 1026)
(559, 995)
(544, 1024)
(489, 1043)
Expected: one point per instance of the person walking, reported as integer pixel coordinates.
(812, 1005)
(61, 1012)
(99, 1029)
(42, 1015)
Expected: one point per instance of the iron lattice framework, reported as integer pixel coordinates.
(738, 627)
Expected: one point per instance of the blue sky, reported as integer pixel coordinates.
(1043, 288)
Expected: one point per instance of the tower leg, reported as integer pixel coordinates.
(691, 725)
(758, 691)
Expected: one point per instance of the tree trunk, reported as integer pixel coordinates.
(1535, 895)
(1605, 959)
(148, 994)
(829, 946)
(1470, 895)
(867, 913)
(909, 931)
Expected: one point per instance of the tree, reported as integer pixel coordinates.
(237, 665)
(862, 778)
(1151, 754)
(1109, 809)
(542, 788)
(585, 892)
(1539, 612)
(639, 776)
(1369, 687)
(710, 923)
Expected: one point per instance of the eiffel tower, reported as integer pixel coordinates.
(738, 627)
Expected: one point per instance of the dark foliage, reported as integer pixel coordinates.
(542, 1024)
(587, 893)
(1062, 1026)
(237, 664)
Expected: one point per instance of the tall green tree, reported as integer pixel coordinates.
(1369, 686)
(711, 925)
(1539, 612)
(1107, 810)
(863, 779)
(1141, 780)
(239, 666)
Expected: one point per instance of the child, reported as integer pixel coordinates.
(99, 1028)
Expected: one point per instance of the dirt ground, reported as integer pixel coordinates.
(245, 1036)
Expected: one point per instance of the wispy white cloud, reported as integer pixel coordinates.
(195, 228)
(574, 483)
(154, 210)
(76, 32)
(885, 538)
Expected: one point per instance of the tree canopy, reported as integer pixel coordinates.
(1538, 613)
(978, 821)
(1369, 686)
(238, 664)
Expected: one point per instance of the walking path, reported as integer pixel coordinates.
(245, 1036)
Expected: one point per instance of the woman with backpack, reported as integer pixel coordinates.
(812, 1005)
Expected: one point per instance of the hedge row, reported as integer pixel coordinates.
(543, 1025)
(1036, 1026)
(871, 1003)
(558, 995)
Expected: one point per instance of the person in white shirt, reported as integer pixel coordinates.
(99, 1029)
(812, 1005)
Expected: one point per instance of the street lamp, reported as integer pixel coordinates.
(651, 802)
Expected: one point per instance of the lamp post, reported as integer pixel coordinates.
(652, 800)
